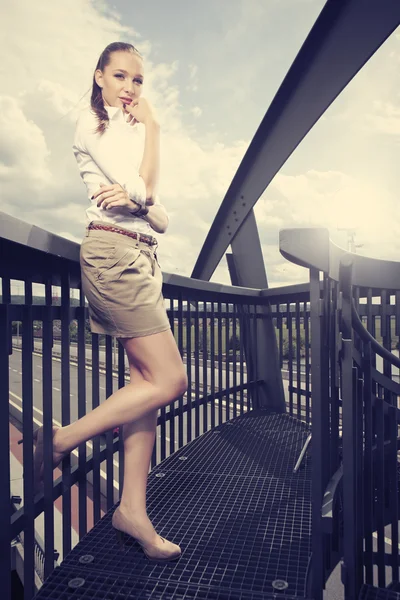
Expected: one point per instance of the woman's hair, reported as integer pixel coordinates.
(96, 100)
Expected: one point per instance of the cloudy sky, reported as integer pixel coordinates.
(211, 70)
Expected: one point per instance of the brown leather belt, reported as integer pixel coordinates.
(141, 237)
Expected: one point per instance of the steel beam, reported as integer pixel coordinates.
(344, 37)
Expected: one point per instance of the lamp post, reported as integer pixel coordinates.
(351, 239)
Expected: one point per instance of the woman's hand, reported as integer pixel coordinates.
(141, 111)
(111, 196)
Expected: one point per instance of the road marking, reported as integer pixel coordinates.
(15, 370)
(38, 380)
(387, 541)
(58, 390)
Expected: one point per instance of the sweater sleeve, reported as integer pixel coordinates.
(103, 150)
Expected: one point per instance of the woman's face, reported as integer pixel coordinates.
(122, 79)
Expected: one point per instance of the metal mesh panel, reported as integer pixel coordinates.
(230, 500)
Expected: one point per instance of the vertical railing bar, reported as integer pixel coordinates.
(47, 392)
(109, 384)
(205, 366)
(180, 346)
(290, 357)
(189, 370)
(386, 339)
(380, 497)
(250, 365)
(397, 313)
(5, 474)
(96, 439)
(255, 350)
(307, 360)
(212, 363)
(66, 408)
(27, 422)
(196, 369)
(368, 467)
(241, 359)
(333, 429)
(82, 487)
(172, 404)
(121, 455)
(227, 363)
(219, 339)
(279, 323)
(393, 491)
(358, 444)
(298, 360)
(234, 374)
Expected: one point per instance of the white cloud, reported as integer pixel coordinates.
(385, 118)
(24, 157)
(333, 200)
(196, 111)
(193, 78)
(56, 66)
(49, 69)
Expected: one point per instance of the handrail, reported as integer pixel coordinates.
(35, 253)
(346, 278)
(330, 497)
(367, 337)
(312, 248)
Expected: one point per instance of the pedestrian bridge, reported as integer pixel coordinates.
(279, 465)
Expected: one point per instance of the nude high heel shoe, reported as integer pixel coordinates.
(121, 524)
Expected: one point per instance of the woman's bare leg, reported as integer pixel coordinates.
(164, 379)
(139, 437)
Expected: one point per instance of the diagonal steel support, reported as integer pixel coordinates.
(247, 269)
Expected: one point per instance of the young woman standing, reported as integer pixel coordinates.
(122, 280)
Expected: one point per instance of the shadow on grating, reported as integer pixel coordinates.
(368, 592)
(242, 519)
(245, 446)
(65, 584)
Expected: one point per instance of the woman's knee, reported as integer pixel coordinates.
(175, 385)
(158, 360)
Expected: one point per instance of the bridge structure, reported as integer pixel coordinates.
(280, 462)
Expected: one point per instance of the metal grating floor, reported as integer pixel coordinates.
(230, 500)
(369, 592)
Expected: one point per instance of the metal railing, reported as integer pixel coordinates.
(216, 329)
(355, 327)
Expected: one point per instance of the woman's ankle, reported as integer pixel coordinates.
(129, 508)
(60, 444)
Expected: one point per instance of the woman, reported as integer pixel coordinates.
(122, 281)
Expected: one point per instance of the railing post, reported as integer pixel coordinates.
(5, 501)
(352, 549)
(317, 437)
(247, 269)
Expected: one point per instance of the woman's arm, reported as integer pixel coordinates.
(149, 169)
(157, 218)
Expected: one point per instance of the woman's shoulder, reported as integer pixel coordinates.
(86, 116)
(85, 126)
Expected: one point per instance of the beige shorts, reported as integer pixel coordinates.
(122, 282)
